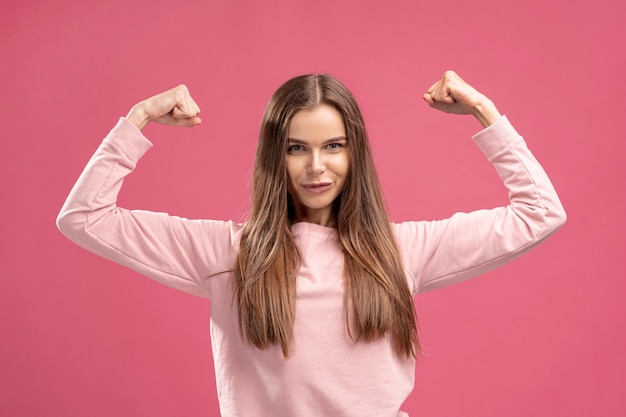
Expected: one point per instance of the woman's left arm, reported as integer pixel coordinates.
(453, 95)
(441, 253)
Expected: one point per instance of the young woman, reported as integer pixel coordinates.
(311, 298)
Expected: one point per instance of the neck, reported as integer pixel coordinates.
(324, 218)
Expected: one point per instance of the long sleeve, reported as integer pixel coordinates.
(177, 252)
(444, 252)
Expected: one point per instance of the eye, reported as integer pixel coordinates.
(335, 146)
(295, 148)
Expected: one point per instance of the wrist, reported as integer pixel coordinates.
(138, 116)
(485, 112)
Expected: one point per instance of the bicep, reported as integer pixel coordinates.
(174, 251)
(445, 252)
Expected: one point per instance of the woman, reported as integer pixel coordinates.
(311, 299)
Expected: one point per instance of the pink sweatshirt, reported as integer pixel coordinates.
(326, 374)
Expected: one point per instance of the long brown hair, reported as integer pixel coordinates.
(377, 300)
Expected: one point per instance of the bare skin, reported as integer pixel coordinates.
(173, 107)
(318, 162)
(453, 95)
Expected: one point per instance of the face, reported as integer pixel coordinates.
(318, 162)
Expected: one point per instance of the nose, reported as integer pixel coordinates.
(316, 164)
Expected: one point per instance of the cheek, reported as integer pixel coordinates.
(347, 172)
(291, 172)
(345, 165)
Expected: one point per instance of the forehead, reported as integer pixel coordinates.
(317, 123)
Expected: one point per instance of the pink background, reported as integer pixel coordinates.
(543, 336)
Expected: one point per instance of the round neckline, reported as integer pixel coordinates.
(313, 227)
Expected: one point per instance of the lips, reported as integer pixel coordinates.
(319, 187)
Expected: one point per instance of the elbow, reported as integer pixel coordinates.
(561, 218)
(555, 218)
(64, 222)
(70, 223)
(540, 222)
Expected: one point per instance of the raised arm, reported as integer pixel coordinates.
(177, 252)
(444, 252)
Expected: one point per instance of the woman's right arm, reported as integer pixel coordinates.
(177, 252)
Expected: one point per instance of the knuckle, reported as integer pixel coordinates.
(181, 91)
(449, 75)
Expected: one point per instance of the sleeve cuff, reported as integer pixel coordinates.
(127, 137)
(494, 138)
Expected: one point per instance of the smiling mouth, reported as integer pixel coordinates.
(319, 187)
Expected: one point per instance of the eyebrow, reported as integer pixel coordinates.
(304, 142)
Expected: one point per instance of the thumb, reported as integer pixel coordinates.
(182, 112)
(187, 121)
(169, 119)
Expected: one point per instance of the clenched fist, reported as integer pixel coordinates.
(173, 107)
(453, 95)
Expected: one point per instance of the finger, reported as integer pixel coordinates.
(185, 122)
(189, 121)
(444, 98)
(442, 95)
(444, 107)
(438, 105)
(194, 105)
(428, 98)
(187, 107)
(181, 112)
(433, 87)
(190, 105)
(440, 92)
(170, 120)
